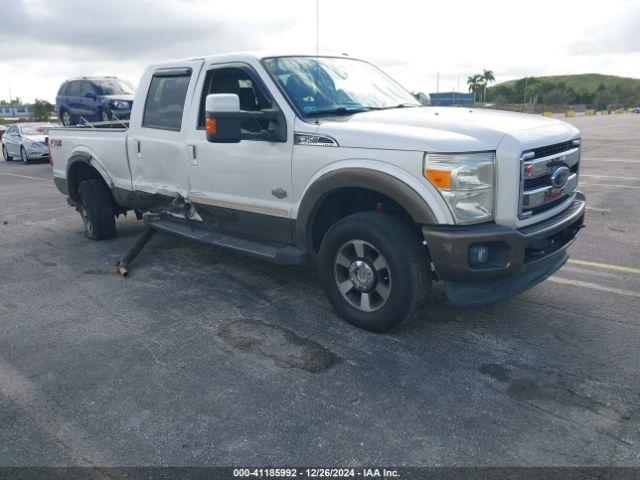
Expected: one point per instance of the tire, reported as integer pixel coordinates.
(65, 118)
(105, 115)
(382, 257)
(5, 154)
(23, 156)
(96, 208)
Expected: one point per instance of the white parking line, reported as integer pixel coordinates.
(593, 286)
(613, 160)
(609, 176)
(605, 185)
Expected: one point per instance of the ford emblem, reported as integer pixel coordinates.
(560, 177)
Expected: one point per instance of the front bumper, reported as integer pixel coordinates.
(36, 153)
(516, 260)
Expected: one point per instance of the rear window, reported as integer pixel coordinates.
(63, 89)
(165, 100)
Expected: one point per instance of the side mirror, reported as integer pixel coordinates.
(225, 119)
(90, 95)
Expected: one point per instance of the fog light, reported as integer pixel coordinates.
(478, 254)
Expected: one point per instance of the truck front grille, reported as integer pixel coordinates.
(548, 176)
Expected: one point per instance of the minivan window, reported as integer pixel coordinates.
(86, 87)
(63, 89)
(74, 89)
(165, 101)
(114, 87)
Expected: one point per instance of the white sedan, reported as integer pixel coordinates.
(26, 141)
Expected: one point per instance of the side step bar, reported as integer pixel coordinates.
(281, 254)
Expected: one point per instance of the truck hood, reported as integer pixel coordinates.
(442, 129)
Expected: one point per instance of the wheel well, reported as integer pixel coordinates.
(342, 202)
(81, 171)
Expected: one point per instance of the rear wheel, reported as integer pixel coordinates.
(5, 154)
(96, 208)
(65, 117)
(23, 155)
(374, 270)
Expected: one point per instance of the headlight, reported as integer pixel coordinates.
(121, 104)
(466, 181)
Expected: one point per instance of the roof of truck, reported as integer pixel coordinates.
(251, 55)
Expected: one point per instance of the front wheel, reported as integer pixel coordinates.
(5, 154)
(23, 155)
(96, 208)
(105, 115)
(374, 270)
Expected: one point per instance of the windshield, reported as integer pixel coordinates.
(327, 85)
(113, 87)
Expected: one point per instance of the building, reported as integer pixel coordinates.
(16, 111)
(448, 99)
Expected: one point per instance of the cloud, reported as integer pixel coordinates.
(122, 30)
(618, 35)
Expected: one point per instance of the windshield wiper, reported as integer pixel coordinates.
(338, 111)
(400, 105)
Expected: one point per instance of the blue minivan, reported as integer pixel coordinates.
(85, 99)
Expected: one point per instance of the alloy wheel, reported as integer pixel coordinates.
(362, 275)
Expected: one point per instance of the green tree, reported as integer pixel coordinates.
(475, 84)
(42, 110)
(487, 77)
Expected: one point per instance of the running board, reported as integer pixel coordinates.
(278, 253)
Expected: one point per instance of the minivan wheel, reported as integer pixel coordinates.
(66, 118)
(5, 154)
(375, 271)
(23, 155)
(96, 208)
(105, 115)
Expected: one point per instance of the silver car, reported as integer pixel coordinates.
(26, 141)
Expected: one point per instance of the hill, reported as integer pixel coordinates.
(589, 88)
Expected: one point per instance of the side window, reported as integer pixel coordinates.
(74, 89)
(63, 89)
(86, 87)
(235, 80)
(165, 100)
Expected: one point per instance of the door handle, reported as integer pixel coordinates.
(138, 149)
(191, 155)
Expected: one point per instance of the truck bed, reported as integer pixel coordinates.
(104, 146)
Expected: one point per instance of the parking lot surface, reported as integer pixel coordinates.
(205, 357)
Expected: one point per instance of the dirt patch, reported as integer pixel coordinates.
(283, 346)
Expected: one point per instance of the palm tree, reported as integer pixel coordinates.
(474, 83)
(487, 76)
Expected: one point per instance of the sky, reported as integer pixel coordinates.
(43, 42)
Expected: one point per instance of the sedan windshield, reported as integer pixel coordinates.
(336, 86)
(114, 87)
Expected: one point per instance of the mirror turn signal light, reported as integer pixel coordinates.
(440, 178)
(212, 126)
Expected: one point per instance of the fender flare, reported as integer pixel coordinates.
(388, 185)
(87, 159)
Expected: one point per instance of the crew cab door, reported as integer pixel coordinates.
(244, 187)
(156, 144)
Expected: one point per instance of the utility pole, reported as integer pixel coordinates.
(437, 87)
(13, 113)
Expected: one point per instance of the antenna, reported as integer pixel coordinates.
(315, 80)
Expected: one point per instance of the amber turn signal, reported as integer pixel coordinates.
(212, 126)
(440, 178)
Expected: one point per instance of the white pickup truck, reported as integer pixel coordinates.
(292, 157)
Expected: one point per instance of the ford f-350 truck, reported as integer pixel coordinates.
(289, 157)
